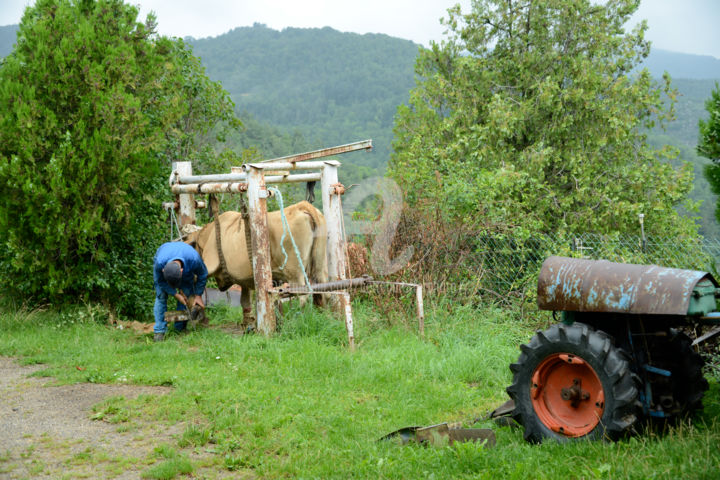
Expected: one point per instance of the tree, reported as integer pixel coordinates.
(709, 146)
(93, 107)
(205, 113)
(532, 115)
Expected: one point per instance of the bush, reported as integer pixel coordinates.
(93, 107)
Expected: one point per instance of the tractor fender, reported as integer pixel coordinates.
(579, 285)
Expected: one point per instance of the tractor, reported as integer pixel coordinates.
(618, 353)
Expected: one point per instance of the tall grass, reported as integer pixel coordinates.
(300, 404)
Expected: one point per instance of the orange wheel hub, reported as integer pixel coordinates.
(567, 395)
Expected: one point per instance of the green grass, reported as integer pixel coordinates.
(302, 405)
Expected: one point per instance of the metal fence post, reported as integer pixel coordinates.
(332, 210)
(257, 205)
(186, 200)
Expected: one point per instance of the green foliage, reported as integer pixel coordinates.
(529, 116)
(709, 146)
(301, 405)
(263, 76)
(93, 107)
(205, 115)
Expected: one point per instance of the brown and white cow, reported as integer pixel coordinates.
(308, 228)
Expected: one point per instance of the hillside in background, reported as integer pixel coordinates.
(332, 87)
(335, 88)
(683, 134)
(7, 39)
(682, 65)
(301, 89)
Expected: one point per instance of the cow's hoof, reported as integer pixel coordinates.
(197, 314)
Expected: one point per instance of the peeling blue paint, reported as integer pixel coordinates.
(571, 284)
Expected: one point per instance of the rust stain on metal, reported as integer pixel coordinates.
(325, 152)
(573, 284)
(210, 187)
(338, 188)
(325, 287)
(262, 272)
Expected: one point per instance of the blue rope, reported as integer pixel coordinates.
(173, 221)
(286, 229)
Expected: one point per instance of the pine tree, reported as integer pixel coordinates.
(91, 106)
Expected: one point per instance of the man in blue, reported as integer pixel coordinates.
(178, 270)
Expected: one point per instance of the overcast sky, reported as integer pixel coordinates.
(688, 26)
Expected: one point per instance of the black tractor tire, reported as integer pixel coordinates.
(607, 410)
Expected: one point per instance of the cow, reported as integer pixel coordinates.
(309, 231)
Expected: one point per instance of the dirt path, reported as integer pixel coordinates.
(46, 431)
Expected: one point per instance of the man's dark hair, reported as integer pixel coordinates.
(172, 274)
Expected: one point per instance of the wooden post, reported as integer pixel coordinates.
(257, 205)
(186, 200)
(332, 209)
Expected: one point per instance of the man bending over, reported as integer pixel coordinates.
(178, 270)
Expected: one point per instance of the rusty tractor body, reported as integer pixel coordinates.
(617, 355)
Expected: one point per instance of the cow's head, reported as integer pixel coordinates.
(192, 240)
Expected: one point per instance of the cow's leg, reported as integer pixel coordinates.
(302, 299)
(318, 299)
(245, 301)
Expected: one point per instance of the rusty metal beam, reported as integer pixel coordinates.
(237, 187)
(218, 177)
(325, 287)
(270, 177)
(200, 188)
(324, 152)
(318, 165)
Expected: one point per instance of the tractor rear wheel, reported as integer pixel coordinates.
(571, 382)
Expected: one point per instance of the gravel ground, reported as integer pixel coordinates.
(46, 430)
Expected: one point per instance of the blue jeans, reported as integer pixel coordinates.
(160, 308)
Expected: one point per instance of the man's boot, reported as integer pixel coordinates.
(159, 337)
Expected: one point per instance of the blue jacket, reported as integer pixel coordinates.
(192, 266)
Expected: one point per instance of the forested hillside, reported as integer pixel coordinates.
(682, 65)
(300, 89)
(683, 134)
(332, 87)
(335, 87)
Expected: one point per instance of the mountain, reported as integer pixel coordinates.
(682, 65)
(683, 134)
(7, 39)
(333, 87)
(301, 89)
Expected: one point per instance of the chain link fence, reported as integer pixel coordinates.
(468, 266)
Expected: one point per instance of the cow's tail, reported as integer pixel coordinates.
(317, 270)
